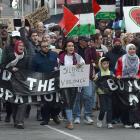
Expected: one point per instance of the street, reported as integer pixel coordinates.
(34, 131)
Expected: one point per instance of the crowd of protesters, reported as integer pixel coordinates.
(109, 52)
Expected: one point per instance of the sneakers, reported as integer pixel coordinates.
(88, 120)
(20, 126)
(136, 125)
(99, 123)
(127, 126)
(77, 120)
(109, 126)
(69, 126)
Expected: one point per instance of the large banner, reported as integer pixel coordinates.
(71, 76)
(25, 86)
(41, 14)
(128, 89)
(132, 18)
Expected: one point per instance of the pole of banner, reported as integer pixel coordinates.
(55, 4)
(22, 9)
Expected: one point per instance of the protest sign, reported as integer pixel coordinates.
(132, 18)
(41, 14)
(71, 76)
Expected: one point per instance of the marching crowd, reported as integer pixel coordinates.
(109, 52)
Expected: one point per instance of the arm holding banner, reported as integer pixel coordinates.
(119, 68)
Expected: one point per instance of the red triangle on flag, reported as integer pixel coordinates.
(95, 6)
(68, 21)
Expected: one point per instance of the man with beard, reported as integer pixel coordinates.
(113, 55)
(4, 37)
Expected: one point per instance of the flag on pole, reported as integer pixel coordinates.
(96, 7)
(78, 20)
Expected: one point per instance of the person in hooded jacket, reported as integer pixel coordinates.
(113, 55)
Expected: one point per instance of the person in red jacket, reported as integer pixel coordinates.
(128, 66)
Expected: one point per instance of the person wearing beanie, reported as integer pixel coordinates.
(116, 52)
(105, 97)
(128, 66)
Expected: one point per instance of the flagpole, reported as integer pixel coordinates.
(22, 12)
(55, 7)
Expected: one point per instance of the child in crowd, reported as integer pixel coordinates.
(105, 97)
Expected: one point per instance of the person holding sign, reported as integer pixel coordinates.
(68, 57)
(128, 66)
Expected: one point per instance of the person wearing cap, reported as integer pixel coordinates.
(105, 97)
(85, 92)
(116, 52)
(128, 66)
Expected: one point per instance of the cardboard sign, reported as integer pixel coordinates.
(132, 18)
(41, 14)
(71, 76)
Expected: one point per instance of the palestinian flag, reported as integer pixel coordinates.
(78, 19)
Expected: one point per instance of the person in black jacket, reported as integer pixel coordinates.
(113, 55)
(7, 53)
(45, 61)
(16, 61)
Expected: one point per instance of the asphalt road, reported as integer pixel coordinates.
(34, 131)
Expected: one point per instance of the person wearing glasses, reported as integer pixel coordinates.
(45, 61)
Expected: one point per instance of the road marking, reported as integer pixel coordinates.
(64, 133)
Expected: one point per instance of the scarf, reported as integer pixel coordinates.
(130, 65)
(62, 56)
(16, 60)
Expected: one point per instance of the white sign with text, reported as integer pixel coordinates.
(71, 76)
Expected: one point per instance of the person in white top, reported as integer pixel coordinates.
(68, 58)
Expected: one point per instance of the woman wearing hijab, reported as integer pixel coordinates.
(128, 66)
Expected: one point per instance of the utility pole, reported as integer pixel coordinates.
(121, 8)
(0, 7)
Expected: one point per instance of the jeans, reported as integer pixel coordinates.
(69, 115)
(87, 95)
(105, 106)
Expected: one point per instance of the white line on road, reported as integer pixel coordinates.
(64, 133)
